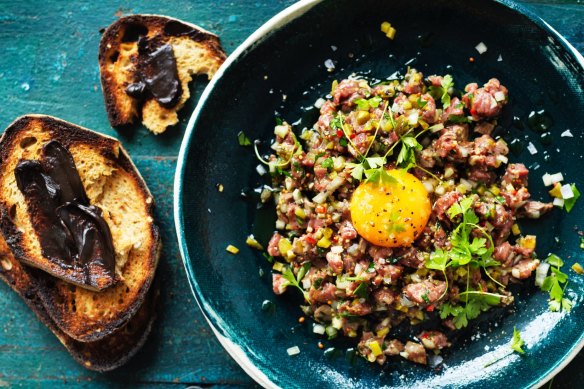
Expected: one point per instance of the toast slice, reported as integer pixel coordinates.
(113, 184)
(103, 355)
(124, 50)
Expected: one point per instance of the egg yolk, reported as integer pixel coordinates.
(391, 214)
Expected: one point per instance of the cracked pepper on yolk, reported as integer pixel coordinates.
(391, 214)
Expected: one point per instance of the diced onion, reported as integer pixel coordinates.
(499, 96)
(547, 179)
(280, 224)
(336, 249)
(558, 202)
(567, 192)
(556, 177)
(353, 249)
(429, 186)
(567, 133)
(319, 103)
(502, 158)
(337, 322)
(541, 273)
(493, 102)
(297, 195)
(413, 118)
(342, 283)
(358, 269)
(261, 169)
(463, 152)
(320, 198)
(481, 48)
(531, 148)
(318, 329)
(306, 283)
(404, 301)
(281, 131)
(466, 183)
(330, 65)
(294, 350)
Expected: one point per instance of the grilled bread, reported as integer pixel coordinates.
(132, 50)
(111, 183)
(106, 354)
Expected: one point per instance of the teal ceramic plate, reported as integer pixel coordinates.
(280, 69)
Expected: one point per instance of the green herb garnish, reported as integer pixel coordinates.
(476, 303)
(441, 92)
(406, 158)
(517, 342)
(292, 280)
(555, 284)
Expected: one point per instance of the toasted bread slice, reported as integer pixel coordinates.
(113, 184)
(196, 52)
(103, 355)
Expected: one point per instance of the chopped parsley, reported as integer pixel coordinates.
(441, 92)
(555, 284)
(292, 280)
(406, 158)
(477, 302)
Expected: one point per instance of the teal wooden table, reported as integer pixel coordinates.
(48, 64)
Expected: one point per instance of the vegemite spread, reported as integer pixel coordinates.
(157, 74)
(72, 233)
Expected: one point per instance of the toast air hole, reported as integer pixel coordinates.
(133, 32)
(27, 142)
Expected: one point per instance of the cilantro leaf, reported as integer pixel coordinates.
(438, 260)
(243, 139)
(569, 203)
(357, 170)
(375, 162)
(292, 280)
(406, 158)
(517, 342)
(446, 83)
(555, 284)
(441, 92)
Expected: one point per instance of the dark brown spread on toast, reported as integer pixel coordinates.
(157, 74)
(72, 232)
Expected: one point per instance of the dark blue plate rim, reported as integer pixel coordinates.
(227, 339)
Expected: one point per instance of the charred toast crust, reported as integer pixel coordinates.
(55, 294)
(104, 355)
(112, 39)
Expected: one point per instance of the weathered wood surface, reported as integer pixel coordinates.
(48, 64)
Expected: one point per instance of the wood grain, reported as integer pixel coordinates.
(48, 64)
